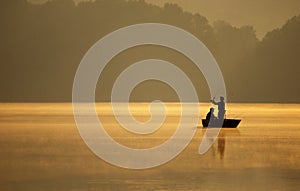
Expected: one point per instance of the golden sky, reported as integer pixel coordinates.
(264, 15)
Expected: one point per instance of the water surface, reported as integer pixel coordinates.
(41, 149)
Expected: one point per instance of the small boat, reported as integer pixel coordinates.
(227, 123)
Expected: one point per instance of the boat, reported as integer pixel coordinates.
(227, 123)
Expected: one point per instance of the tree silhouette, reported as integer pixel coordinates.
(42, 45)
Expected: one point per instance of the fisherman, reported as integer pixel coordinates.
(221, 107)
(210, 115)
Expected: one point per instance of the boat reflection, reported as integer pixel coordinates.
(220, 143)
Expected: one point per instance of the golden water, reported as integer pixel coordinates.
(41, 149)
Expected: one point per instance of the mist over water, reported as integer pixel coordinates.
(42, 45)
(41, 149)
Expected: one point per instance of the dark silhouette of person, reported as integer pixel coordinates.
(221, 107)
(210, 115)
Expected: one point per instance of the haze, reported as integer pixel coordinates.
(42, 46)
(264, 15)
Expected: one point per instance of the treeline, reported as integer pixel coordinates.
(42, 45)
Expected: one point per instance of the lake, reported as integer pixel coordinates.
(41, 149)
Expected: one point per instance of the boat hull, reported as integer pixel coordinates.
(227, 123)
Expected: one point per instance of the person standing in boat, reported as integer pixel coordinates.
(221, 107)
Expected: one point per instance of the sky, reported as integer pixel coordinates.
(264, 15)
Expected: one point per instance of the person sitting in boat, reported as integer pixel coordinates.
(221, 107)
(210, 115)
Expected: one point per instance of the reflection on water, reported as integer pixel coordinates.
(221, 144)
(42, 150)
